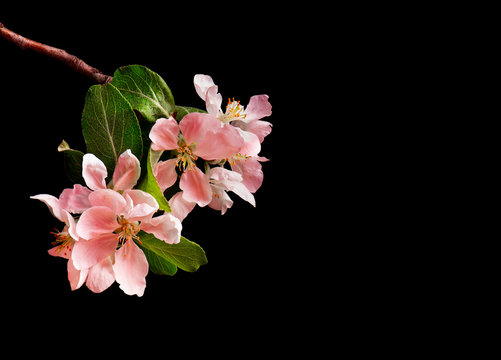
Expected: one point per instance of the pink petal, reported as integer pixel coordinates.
(251, 173)
(251, 145)
(94, 172)
(165, 227)
(223, 143)
(75, 277)
(75, 200)
(260, 128)
(180, 207)
(165, 173)
(71, 227)
(232, 181)
(164, 134)
(195, 125)
(141, 212)
(109, 198)
(141, 197)
(87, 253)
(258, 108)
(241, 190)
(100, 276)
(224, 176)
(213, 101)
(96, 221)
(202, 83)
(223, 202)
(126, 172)
(131, 268)
(196, 187)
(143, 206)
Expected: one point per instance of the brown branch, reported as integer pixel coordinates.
(70, 60)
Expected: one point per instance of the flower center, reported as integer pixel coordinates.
(63, 241)
(185, 156)
(238, 157)
(234, 112)
(127, 231)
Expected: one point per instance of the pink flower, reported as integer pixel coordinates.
(108, 230)
(247, 120)
(249, 124)
(223, 180)
(197, 136)
(251, 171)
(97, 277)
(100, 246)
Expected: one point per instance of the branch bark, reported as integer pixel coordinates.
(70, 60)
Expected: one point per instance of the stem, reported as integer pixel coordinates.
(70, 60)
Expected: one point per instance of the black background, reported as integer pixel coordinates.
(252, 277)
(325, 255)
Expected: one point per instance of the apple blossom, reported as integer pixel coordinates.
(98, 243)
(197, 136)
(247, 120)
(223, 180)
(249, 124)
(114, 231)
(110, 226)
(97, 277)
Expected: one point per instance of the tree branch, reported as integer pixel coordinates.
(70, 60)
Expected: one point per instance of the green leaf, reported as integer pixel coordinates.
(72, 163)
(182, 111)
(149, 182)
(186, 255)
(146, 91)
(109, 125)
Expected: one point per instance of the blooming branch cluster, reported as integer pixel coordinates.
(114, 227)
(101, 223)
(213, 140)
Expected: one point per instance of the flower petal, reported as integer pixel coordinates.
(100, 276)
(87, 253)
(94, 172)
(223, 143)
(143, 206)
(164, 134)
(96, 221)
(72, 226)
(165, 227)
(202, 83)
(126, 172)
(196, 187)
(213, 101)
(223, 202)
(251, 145)
(75, 277)
(165, 173)
(110, 199)
(232, 181)
(131, 268)
(251, 173)
(195, 125)
(180, 207)
(75, 200)
(258, 127)
(258, 108)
